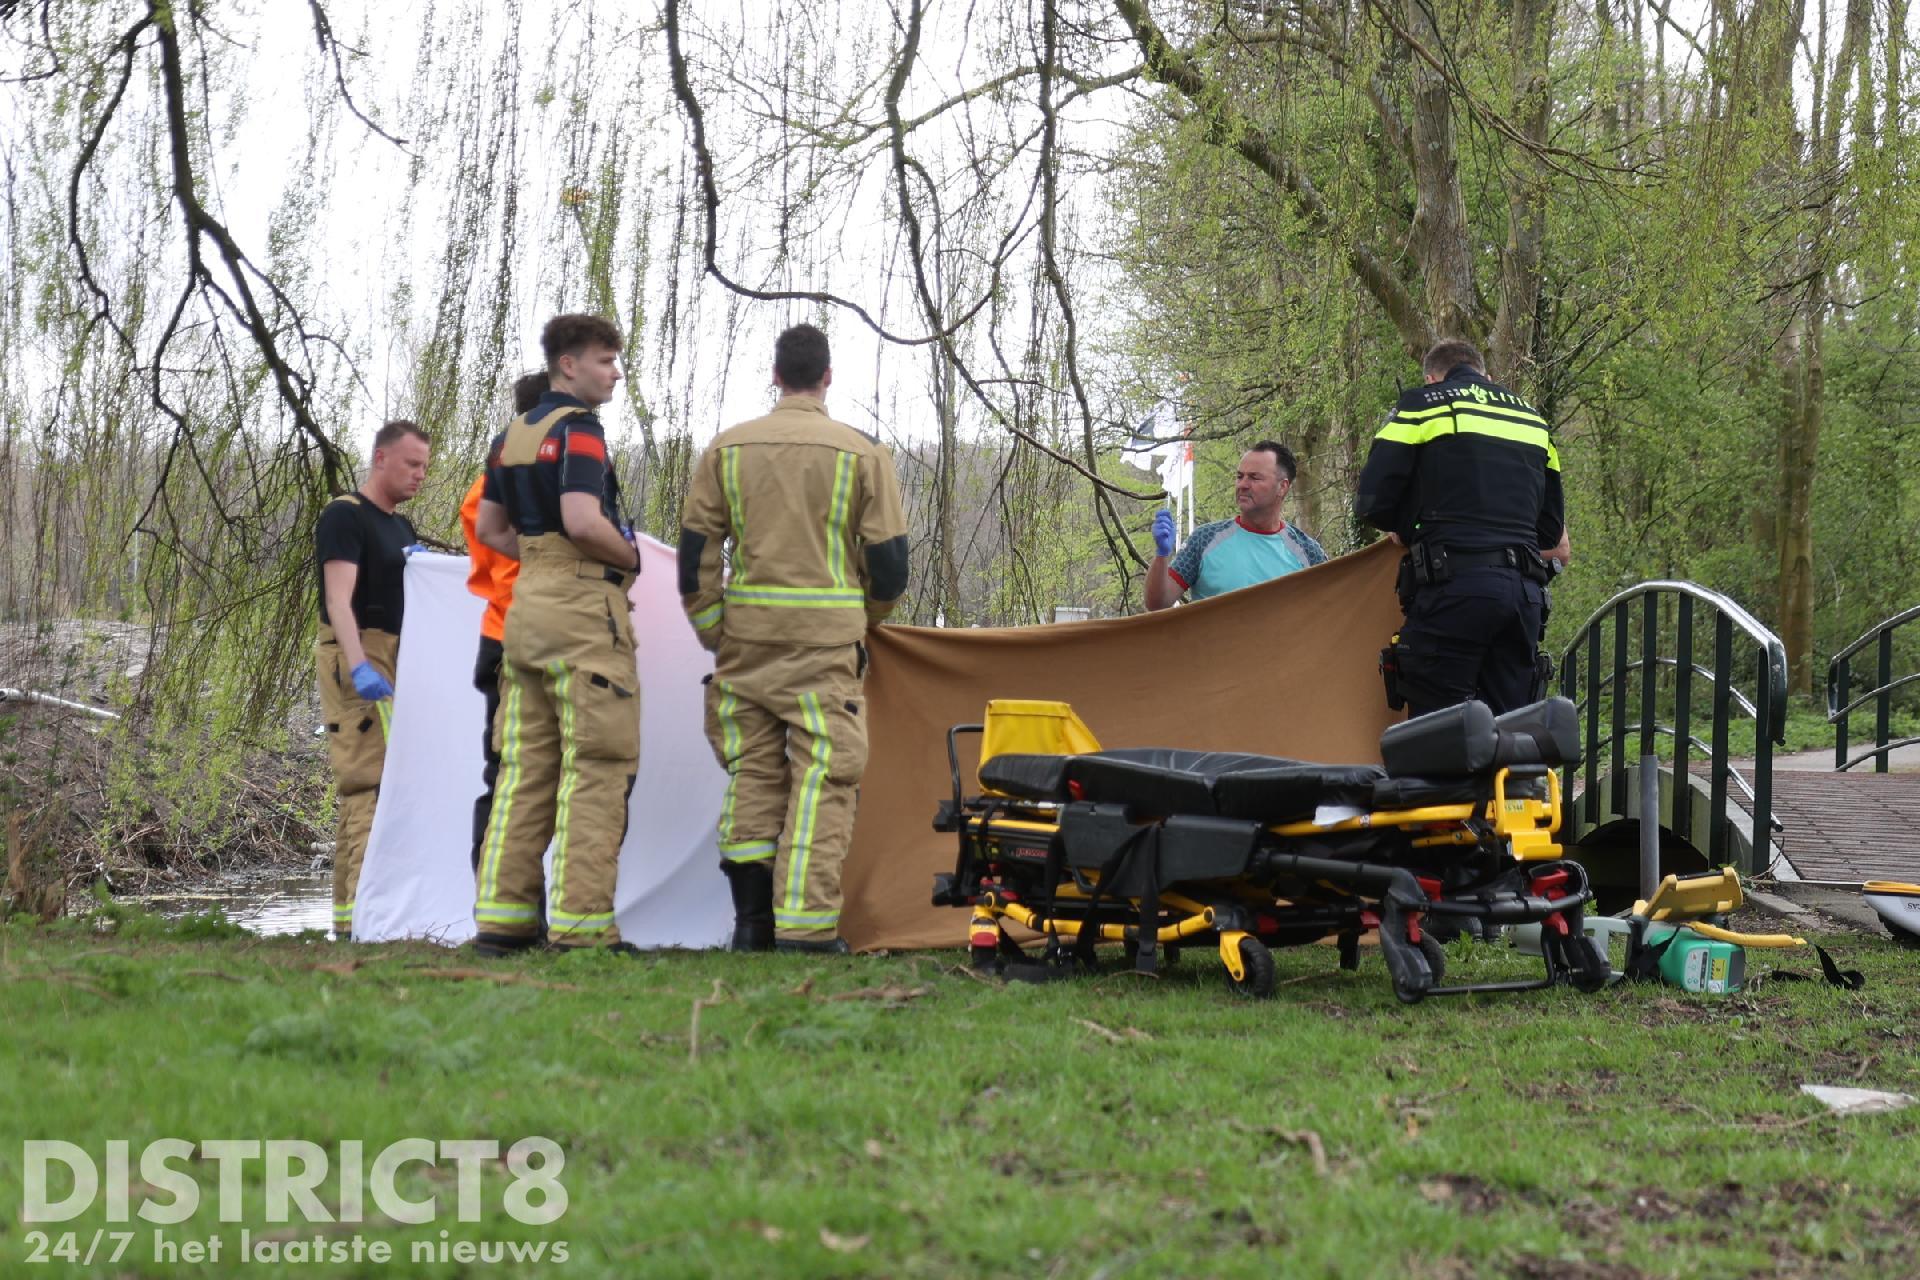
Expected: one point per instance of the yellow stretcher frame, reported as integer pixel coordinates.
(1526, 824)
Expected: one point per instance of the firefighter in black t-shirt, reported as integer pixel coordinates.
(1464, 474)
(568, 730)
(360, 546)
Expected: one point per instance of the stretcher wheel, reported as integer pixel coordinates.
(1590, 970)
(1436, 955)
(1432, 958)
(1258, 962)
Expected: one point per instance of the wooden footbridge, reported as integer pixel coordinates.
(1662, 663)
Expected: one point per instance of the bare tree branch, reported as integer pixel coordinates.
(1227, 128)
(710, 200)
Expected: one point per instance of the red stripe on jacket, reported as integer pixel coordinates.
(587, 446)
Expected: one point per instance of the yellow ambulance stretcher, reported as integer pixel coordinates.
(1165, 850)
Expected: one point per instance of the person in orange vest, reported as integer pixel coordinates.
(491, 578)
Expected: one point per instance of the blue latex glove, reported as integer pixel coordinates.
(370, 684)
(412, 547)
(1163, 532)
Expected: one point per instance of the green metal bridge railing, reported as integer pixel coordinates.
(1840, 686)
(1739, 644)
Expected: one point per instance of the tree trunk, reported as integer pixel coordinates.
(1804, 382)
(1895, 46)
(1805, 402)
(1441, 238)
(1511, 346)
(947, 564)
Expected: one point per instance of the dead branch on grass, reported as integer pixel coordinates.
(719, 995)
(1123, 1036)
(1310, 1140)
(891, 993)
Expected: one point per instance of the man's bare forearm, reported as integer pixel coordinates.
(346, 628)
(1162, 591)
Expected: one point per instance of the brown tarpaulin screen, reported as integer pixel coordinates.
(1290, 668)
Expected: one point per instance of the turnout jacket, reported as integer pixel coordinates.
(792, 531)
(1464, 463)
(556, 447)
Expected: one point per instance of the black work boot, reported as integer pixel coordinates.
(752, 886)
(494, 945)
(820, 947)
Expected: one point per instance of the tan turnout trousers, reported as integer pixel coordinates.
(789, 725)
(568, 734)
(357, 747)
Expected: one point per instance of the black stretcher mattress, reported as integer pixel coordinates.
(1448, 757)
(1266, 789)
(1169, 780)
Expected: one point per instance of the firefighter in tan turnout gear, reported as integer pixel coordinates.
(804, 513)
(568, 729)
(361, 545)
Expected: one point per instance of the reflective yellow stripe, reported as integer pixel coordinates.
(385, 708)
(506, 912)
(588, 923)
(708, 619)
(508, 782)
(730, 481)
(1501, 429)
(798, 597)
(783, 918)
(1413, 432)
(837, 518)
(1401, 431)
(748, 851)
(731, 749)
(569, 777)
(820, 755)
(1421, 415)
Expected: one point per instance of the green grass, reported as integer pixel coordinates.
(896, 1117)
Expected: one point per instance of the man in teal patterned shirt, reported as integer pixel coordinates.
(1253, 547)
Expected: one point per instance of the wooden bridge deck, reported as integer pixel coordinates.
(1849, 826)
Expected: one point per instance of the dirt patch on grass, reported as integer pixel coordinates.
(1533, 1267)
(1463, 1192)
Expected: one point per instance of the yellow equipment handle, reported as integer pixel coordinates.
(1745, 939)
(1679, 899)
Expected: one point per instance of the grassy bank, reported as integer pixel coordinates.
(896, 1117)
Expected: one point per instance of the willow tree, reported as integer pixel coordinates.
(1041, 215)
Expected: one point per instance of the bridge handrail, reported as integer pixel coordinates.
(1767, 707)
(1732, 610)
(1885, 624)
(1839, 689)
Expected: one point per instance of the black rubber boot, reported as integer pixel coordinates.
(824, 947)
(752, 886)
(495, 945)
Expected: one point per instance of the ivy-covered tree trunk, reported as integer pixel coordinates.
(1805, 387)
(1441, 236)
(1510, 345)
